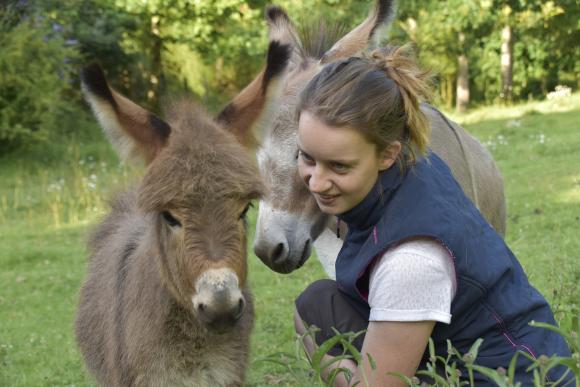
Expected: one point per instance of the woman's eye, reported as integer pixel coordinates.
(305, 157)
(171, 221)
(340, 167)
(245, 211)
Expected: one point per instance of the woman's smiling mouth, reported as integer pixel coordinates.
(325, 200)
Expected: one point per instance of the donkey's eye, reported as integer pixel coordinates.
(245, 212)
(170, 219)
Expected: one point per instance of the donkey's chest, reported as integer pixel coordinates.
(205, 370)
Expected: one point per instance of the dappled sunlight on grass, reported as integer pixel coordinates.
(572, 195)
(73, 192)
(564, 104)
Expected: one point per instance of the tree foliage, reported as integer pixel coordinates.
(544, 52)
(34, 75)
(213, 48)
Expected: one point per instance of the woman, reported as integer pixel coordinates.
(419, 260)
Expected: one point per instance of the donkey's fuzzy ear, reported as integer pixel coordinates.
(359, 38)
(132, 130)
(251, 108)
(281, 29)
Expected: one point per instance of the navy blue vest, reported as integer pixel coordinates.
(494, 299)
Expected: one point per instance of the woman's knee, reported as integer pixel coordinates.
(315, 293)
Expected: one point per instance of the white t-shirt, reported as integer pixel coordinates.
(413, 281)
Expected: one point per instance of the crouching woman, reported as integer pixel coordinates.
(419, 260)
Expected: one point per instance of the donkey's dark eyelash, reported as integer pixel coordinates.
(245, 211)
(170, 219)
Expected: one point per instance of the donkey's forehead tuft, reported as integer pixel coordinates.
(200, 161)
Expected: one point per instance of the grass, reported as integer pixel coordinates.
(52, 195)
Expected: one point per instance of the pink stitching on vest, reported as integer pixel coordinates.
(510, 339)
(375, 235)
(456, 280)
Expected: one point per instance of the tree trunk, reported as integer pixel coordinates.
(450, 82)
(156, 79)
(506, 64)
(442, 89)
(462, 91)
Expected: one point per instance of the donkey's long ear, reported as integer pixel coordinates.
(281, 28)
(252, 107)
(133, 131)
(358, 39)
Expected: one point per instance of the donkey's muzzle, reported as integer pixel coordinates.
(219, 302)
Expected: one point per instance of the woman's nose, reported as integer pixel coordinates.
(318, 181)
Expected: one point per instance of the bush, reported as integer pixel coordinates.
(34, 74)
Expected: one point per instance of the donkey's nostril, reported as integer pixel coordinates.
(305, 254)
(241, 308)
(201, 307)
(277, 252)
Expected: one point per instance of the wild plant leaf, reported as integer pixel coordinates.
(573, 341)
(451, 350)
(274, 358)
(571, 363)
(335, 359)
(500, 380)
(537, 378)
(403, 377)
(351, 348)
(472, 353)
(563, 377)
(337, 371)
(323, 350)
(511, 371)
(436, 377)
(372, 362)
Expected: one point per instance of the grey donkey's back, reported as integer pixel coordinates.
(472, 165)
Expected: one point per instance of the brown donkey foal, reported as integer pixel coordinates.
(166, 301)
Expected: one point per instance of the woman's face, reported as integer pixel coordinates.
(338, 164)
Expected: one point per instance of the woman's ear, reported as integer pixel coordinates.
(389, 155)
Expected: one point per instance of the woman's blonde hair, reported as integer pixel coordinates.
(378, 93)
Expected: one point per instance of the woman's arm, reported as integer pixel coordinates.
(393, 346)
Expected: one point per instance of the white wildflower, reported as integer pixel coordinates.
(559, 92)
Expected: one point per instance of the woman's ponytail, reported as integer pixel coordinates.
(400, 65)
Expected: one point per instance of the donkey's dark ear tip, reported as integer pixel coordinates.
(273, 12)
(278, 53)
(278, 58)
(386, 10)
(94, 82)
(92, 74)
